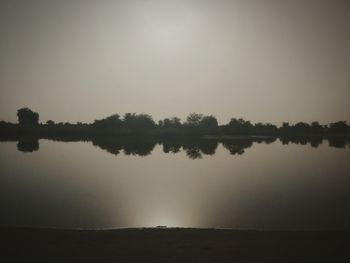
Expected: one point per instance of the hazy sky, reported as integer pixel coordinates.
(263, 60)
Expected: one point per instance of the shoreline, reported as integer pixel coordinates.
(172, 245)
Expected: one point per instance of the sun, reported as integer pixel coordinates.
(167, 23)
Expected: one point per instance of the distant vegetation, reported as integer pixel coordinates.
(198, 135)
(27, 117)
(198, 125)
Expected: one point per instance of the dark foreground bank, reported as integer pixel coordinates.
(172, 245)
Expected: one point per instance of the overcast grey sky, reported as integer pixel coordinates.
(263, 60)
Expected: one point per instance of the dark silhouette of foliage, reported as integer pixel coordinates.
(209, 124)
(339, 127)
(208, 147)
(174, 122)
(316, 141)
(171, 146)
(194, 119)
(239, 127)
(196, 126)
(27, 117)
(316, 128)
(111, 146)
(199, 123)
(50, 123)
(28, 145)
(112, 121)
(338, 142)
(302, 128)
(138, 147)
(266, 140)
(138, 121)
(237, 147)
(264, 129)
(194, 153)
(195, 149)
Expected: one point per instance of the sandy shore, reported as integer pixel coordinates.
(172, 245)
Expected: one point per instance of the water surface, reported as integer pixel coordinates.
(246, 185)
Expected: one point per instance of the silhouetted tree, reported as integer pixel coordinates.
(138, 121)
(265, 129)
(285, 125)
(50, 123)
(339, 127)
(316, 128)
(239, 126)
(196, 124)
(199, 123)
(194, 119)
(112, 121)
(174, 122)
(301, 128)
(27, 117)
(209, 124)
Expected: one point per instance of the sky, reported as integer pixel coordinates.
(262, 60)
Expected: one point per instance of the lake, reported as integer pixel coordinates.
(242, 184)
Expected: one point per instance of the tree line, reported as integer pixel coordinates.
(195, 123)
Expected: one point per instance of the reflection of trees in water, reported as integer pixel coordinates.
(171, 146)
(314, 141)
(339, 142)
(139, 148)
(130, 147)
(209, 147)
(266, 140)
(28, 145)
(237, 147)
(194, 148)
(109, 146)
(194, 153)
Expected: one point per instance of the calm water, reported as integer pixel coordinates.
(106, 185)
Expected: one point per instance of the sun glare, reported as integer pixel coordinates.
(167, 24)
